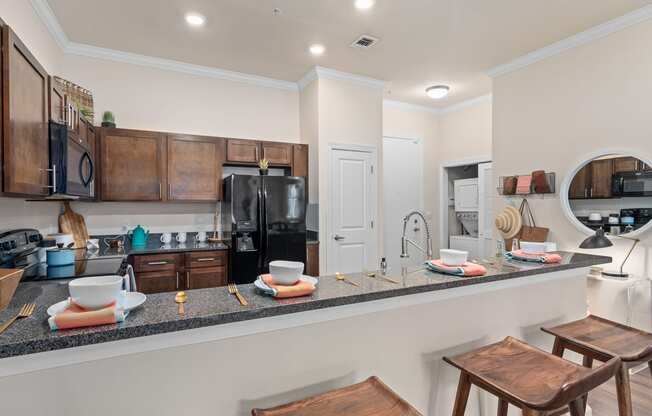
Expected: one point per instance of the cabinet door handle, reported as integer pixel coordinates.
(256, 150)
(160, 191)
(169, 190)
(207, 259)
(157, 263)
(177, 280)
(188, 280)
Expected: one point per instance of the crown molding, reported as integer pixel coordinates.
(318, 72)
(46, 14)
(465, 104)
(597, 32)
(411, 107)
(90, 51)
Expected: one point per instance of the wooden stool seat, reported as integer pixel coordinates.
(371, 397)
(527, 377)
(611, 338)
(601, 339)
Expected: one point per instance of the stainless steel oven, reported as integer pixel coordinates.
(71, 164)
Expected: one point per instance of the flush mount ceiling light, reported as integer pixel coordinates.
(364, 4)
(438, 91)
(317, 49)
(195, 19)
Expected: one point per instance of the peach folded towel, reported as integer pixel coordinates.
(546, 258)
(300, 288)
(77, 317)
(523, 184)
(467, 270)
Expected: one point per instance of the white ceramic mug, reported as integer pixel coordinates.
(181, 237)
(201, 236)
(166, 238)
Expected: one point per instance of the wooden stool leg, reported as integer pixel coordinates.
(463, 388)
(531, 412)
(586, 362)
(558, 348)
(502, 407)
(649, 364)
(577, 407)
(623, 391)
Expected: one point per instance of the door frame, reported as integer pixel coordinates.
(443, 191)
(372, 150)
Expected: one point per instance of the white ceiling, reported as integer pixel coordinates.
(423, 42)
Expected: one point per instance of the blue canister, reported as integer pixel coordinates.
(60, 257)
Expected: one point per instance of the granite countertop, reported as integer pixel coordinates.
(215, 306)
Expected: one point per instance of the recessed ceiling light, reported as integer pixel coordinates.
(438, 91)
(364, 4)
(317, 49)
(195, 19)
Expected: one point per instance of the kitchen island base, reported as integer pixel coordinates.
(230, 369)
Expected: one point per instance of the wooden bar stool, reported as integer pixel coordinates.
(600, 339)
(533, 380)
(371, 397)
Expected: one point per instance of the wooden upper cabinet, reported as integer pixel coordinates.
(132, 165)
(277, 153)
(626, 164)
(242, 151)
(601, 172)
(57, 103)
(579, 188)
(300, 160)
(194, 168)
(25, 111)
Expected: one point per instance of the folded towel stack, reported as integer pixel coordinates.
(467, 270)
(545, 258)
(74, 316)
(300, 288)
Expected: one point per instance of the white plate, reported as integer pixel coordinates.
(131, 301)
(259, 284)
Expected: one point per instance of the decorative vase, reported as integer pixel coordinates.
(108, 124)
(263, 172)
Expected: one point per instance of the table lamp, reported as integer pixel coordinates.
(600, 240)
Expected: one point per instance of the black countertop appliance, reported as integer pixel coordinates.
(267, 219)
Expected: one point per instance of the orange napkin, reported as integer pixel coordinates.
(535, 257)
(74, 316)
(467, 270)
(300, 288)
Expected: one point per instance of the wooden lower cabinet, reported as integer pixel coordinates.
(312, 259)
(206, 277)
(169, 272)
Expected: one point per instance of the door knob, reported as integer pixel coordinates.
(338, 237)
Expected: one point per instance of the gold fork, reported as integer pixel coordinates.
(24, 312)
(233, 289)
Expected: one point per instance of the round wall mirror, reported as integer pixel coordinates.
(612, 191)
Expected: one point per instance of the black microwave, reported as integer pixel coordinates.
(71, 164)
(628, 184)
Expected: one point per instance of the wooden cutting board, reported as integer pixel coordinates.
(72, 223)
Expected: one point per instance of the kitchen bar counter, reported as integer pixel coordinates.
(209, 307)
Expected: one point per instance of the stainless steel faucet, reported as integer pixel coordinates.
(405, 241)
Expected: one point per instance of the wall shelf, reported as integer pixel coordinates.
(550, 176)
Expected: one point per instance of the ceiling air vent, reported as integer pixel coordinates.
(365, 42)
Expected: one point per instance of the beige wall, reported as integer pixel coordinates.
(414, 123)
(309, 124)
(548, 115)
(465, 133)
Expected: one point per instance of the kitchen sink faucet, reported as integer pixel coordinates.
(405, 241)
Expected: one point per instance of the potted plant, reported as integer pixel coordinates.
(263, 165)
(108, 120)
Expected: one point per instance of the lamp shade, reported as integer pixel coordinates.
(598, 240)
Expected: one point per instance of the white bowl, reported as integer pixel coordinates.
(453, 257)
(95, 292)
(531, 247)
(285, 272)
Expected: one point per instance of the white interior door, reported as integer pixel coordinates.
(485, 212)
(402, 193)
(353, 240)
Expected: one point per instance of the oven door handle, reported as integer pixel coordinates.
(86, 181)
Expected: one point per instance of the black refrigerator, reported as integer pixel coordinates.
(267, 219)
